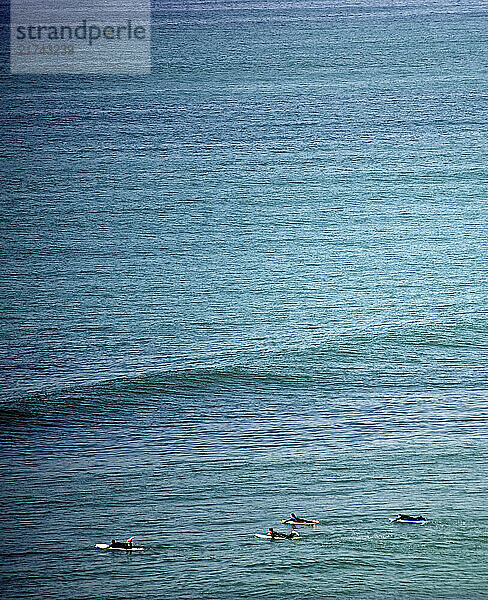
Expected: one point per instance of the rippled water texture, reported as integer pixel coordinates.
(250, 283)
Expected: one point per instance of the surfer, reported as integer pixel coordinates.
(409, 518)
(293, 517)
(294, 520)
(127, 545)
(276, 534)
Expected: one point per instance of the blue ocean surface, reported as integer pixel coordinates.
(251, 282)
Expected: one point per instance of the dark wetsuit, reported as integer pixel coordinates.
(276, 534)
(125, 545)
(298, 519)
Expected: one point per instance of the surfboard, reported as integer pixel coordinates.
(108, 547)
(290, 522)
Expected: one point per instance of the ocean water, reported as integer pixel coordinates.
(250, 283)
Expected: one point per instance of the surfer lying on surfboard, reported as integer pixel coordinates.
(120, 546)
(127, 545)
(294, 520)
(408, 519)
(276, 534)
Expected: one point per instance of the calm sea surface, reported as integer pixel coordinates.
(252, 282)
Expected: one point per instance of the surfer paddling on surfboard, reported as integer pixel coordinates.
(408, 519)
(293, 517)
(121, 546)
(276, 534)
(126, 545)
(294, 520)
